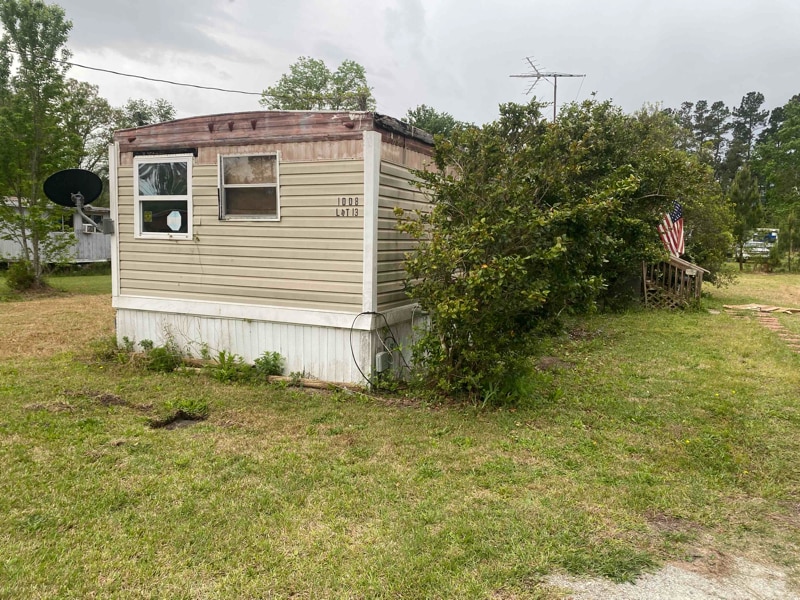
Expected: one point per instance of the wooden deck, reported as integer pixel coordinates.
(672, 284)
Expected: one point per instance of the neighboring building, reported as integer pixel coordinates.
(90, 245)
(267, 231)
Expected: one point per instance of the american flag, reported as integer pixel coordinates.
(670, 230)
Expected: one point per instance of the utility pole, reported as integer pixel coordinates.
(536, 75)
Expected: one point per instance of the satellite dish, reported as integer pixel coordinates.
(73, 187)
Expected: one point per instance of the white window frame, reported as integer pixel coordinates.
(277, 185)
(137, 199)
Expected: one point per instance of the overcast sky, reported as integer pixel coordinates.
(454, 55)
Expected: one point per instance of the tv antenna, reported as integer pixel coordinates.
(538, 75)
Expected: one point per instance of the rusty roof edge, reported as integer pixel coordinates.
(384, 122)
(350, 114)
(396, 126)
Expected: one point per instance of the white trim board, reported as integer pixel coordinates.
(372, 180)
(113, 192)
(274, 314)
(250, 312)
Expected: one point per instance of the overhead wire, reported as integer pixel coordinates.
(580, 87)
(144, 77)
(172, 82)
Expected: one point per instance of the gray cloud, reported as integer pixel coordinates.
(149, 26)
(455, 55)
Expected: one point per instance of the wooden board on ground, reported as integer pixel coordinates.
(762, 308)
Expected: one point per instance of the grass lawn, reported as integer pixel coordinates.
(662, 437)
(70, 284)
(781, 289)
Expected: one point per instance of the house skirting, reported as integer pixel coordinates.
(326, 345)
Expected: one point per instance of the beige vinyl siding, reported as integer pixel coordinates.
(309, 259)
(396, 189)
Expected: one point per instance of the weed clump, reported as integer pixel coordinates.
(162, 359)
(229, 367)
(181, 411)
(269, 364)
(194, 408)
(106, 349)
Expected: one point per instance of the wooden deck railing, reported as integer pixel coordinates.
(672, 284)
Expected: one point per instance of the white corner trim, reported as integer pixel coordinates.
(372, 179)
(113, 193)
(246, 312)
(399, 314)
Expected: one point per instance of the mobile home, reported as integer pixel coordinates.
(90, 245)
(267, 231)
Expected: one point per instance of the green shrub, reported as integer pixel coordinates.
(531, 221)
(20, 276)
(268, 364)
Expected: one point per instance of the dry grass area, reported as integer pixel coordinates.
(780, 289)
(47, 326)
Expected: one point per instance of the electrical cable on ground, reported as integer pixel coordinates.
(392, 337)
(353, 352)
(383, 343)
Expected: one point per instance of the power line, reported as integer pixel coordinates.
(178, 83)
(191, 85)
(132, 76)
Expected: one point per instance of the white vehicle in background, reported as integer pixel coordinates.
(757, 249)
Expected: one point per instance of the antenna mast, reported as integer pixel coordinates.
(536, 75)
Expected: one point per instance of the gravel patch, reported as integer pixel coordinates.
(739, 579)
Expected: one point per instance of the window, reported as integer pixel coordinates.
(162, 188)
(249, 187)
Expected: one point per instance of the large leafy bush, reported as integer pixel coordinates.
(531, 220)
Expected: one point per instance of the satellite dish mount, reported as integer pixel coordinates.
(75, 188)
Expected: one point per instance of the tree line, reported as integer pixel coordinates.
(753, 154)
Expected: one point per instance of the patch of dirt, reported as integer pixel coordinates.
(707, 561)
(669, 524)
(553, 363)
(791, 517)
(53, 407)
(92, 395)
(583, 334)
(47, 326)
(106, 399)
(176, 420)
